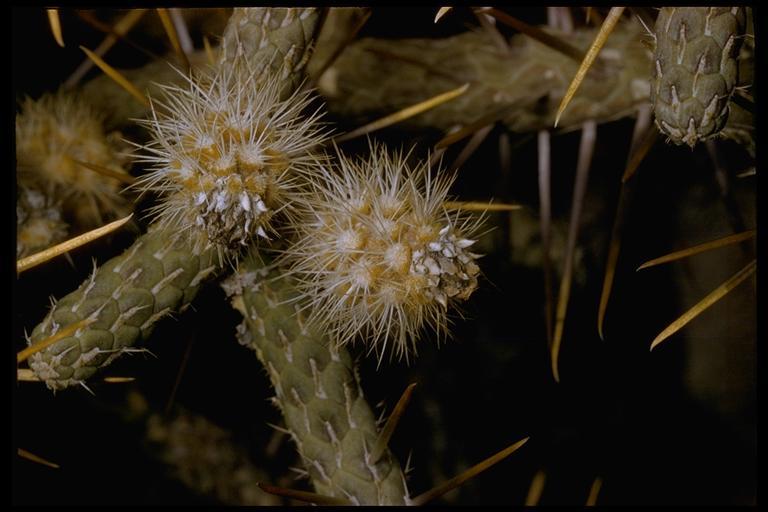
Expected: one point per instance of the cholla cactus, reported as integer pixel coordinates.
(54, 134)
(226, 153)
(378, 255)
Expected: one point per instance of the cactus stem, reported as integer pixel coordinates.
(309, 497)
(64, 247)
(480, 206)
(651, 135)
(602, 36)
(61, 334)
(456, 481)
(402, 115)
(117, 77)
(55, 22)
(696, 249)
(389, 428)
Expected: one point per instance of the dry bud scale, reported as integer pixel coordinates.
(378, 256)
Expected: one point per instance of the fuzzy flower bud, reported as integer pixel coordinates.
(377, 254)
(226, 153)
(53, 135)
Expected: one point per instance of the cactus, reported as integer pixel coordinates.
(300, 330)
(695, 70)
(38, 221)
(159, 274)
(317, 390)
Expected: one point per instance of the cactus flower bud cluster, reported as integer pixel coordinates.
(377, 254)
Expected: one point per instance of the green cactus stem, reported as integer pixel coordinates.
(695, 70)
(156, 276)
(317, 390)
(373, 77)
(277, 39)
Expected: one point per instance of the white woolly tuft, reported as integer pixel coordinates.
(378, 256)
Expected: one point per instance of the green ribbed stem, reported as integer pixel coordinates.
(273, 39)
(375, 77)
(159, 274)
(695, 70)
(317, 390)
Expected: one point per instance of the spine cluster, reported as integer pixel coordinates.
(226, 155)
(377, 255)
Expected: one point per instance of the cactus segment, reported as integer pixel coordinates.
(373, 77)
(317, 391)
(157, 275)
(695, 70)
(274, 38)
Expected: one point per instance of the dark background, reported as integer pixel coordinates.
(627, 415)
